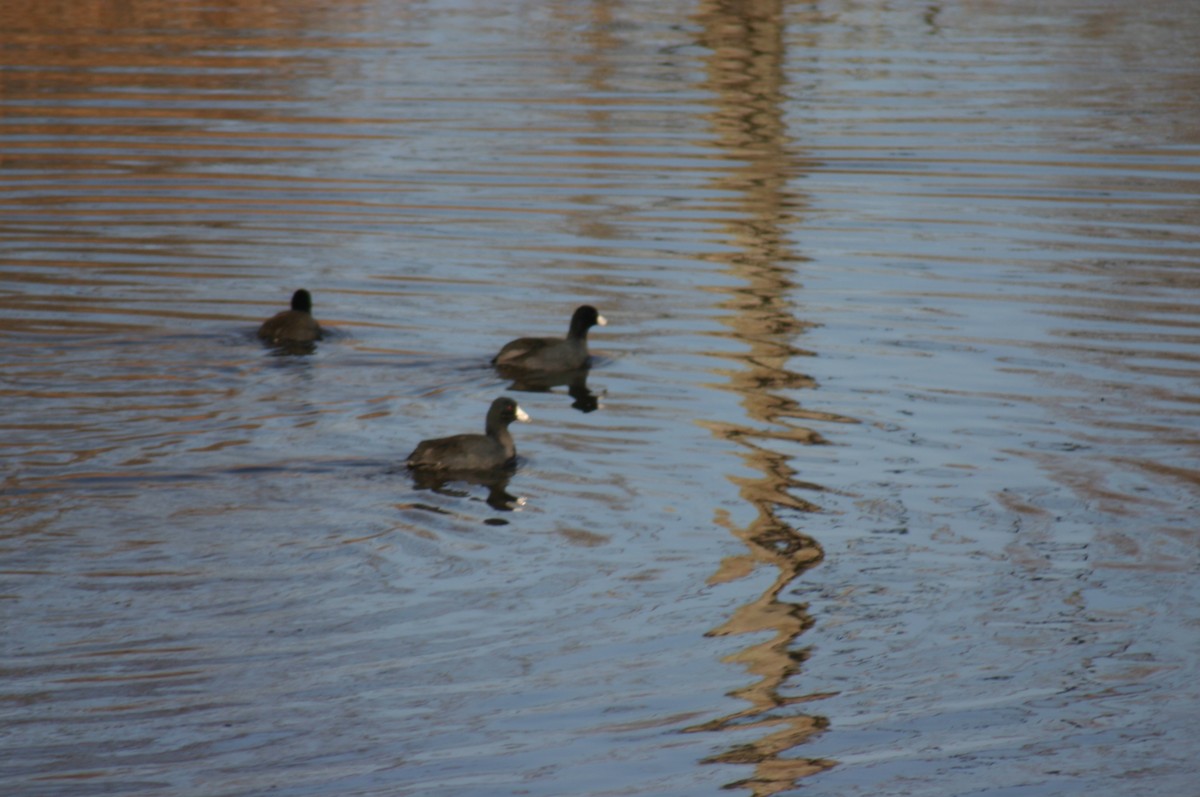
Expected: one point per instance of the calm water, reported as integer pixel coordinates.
(891, 483)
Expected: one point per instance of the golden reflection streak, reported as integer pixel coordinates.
(745, 72)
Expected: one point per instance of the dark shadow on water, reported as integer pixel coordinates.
(583, 399)
(450, 483)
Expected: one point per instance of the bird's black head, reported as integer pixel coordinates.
(585, 318)
(504, 411)
(302, 301)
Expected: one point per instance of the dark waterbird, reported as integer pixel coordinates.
(473, 452)
(293, 326)
(552, 354)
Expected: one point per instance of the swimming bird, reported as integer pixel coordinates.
(552, 354)
(292, 326)
(493, 449)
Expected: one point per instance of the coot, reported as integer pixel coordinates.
(292, 326)
(552, 354)
(494, 449)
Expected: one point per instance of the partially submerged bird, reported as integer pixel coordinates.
(552, 354)
(292, 326)
(493, 449)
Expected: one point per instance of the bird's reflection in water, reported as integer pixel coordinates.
(496, 482)
(545, 381)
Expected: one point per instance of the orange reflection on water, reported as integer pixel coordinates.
(745, 72)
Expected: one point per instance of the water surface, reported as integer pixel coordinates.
(888, 482)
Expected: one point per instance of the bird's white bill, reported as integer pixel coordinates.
(522, 415)
(601, 320)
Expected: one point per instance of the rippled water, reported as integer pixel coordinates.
(886, 482)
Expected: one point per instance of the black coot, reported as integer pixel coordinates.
(552, 354)
(494, 449)
(292, 326)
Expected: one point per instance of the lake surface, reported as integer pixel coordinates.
(884, 480)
